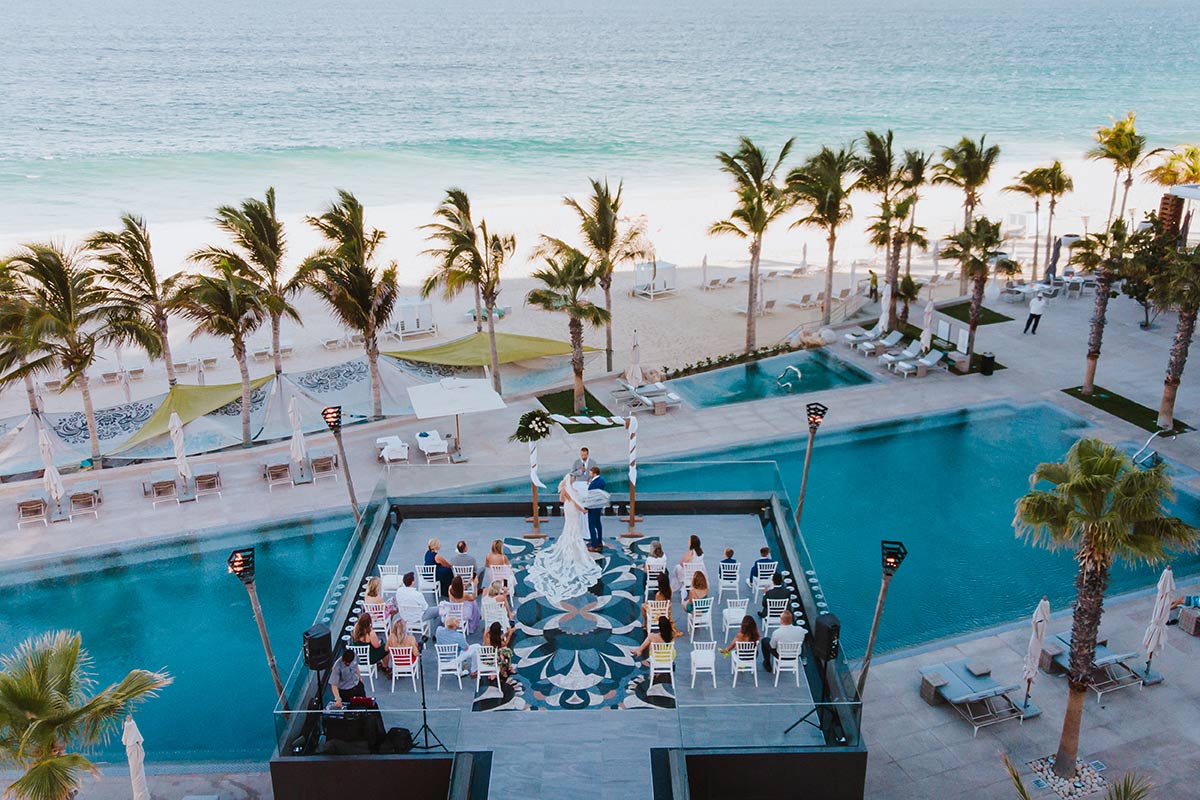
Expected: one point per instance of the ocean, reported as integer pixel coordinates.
(169, 108)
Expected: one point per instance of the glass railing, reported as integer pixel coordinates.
(769, 726)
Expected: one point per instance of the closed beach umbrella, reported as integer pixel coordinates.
(181, 459)
(1041, 618)
(927, 332)
(51, 480)
(704, 270)
(131, 737)
(299, 450)
(1156, 632)
(633, 372)
(885, 300)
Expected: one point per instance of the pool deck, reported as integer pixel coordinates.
(917, 751)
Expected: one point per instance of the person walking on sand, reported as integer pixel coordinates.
(1037, 307)
(874, 286)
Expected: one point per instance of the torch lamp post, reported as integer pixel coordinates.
(241, 564)
(333, 418)
(893, 556)
(816, 414)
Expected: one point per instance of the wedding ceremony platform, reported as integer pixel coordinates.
(580, 714)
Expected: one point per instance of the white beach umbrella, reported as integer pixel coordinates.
(1037, 635)
(704, 271)
(633, 372)
(885, 300)
(1156, 633)
(927, 331)
(299, 449)
(181, 460)
(853, 281)
(131, 737)
(51, 480)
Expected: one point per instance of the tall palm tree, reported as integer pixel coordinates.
(1058, 183)
(607, 243)
(497, 249)
(459, 260)
(879, 172)
(1105, 255)
(1178, 166)
(889, 232)
(1032, 183)
(1125, 148)
(228, 305)
(565, 278)
(48, 713)
(967, 165)
(760, 201)
(13, 343)
(257, 255)
(973, 248)
(133, 281)
(915, 174)
(1103, 507)
(69, 315)
(344, 274)
(1178, 288)
(824, 185)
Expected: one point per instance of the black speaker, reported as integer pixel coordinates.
(826, 634)
(318, 647)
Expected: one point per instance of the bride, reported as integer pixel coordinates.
(566, 569)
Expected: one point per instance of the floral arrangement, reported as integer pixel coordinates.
(532, 427)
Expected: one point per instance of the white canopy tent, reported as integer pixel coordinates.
(413, 317)
(654, 279)
(454, 396)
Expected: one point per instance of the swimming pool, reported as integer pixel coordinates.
(175, 607)
(791, 373)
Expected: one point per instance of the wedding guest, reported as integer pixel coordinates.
(694, 554)
(494, 558)
(498, 638)
(409, 601)
(662, 593)
(444, 572)
(451, 633)
(461, 558)
(728, 559)
(764, 557)
(374, 594)
(748, 632)
(664, 635)
(458, 594)
(698, 591)
(364, 633)
(657, 558)
(786, 632)
(399, 636)
(777, 592)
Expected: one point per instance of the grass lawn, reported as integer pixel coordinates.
(962, 313)
(563, 403)
(1124, 408)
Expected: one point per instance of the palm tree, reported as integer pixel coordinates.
(1178, 288)
(607, 244)
(68, 315)
(565, 278)
(469, 256)
(967, 165)
(824, 184)
(1058, 183)
(258, 255)
(760, 201)
(973, 248)
(1130, 786)
(1125, 149)
(908, 292)
(889, 233)
(1105, 255)
(47, 713)
(1034, 184)
(914, 174)
(13, 343)
(133, 281)
(1103, 507)
(228, 305)
(344, 275)
(1178, 166)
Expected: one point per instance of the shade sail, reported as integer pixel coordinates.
(475, 350)
(189, 402)
(452, 396)
(1188, 191)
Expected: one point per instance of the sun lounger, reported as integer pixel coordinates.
(803, 302)
(871, 347)
(285, 349)
(137, 373)
(910, 353)
(798, 272)
(970, 689)
(1109, 670)
(84, 498)
(278, 473)
(164, 491)
(333, 343)
(210, 362)
(919, 367)
(52, 384)
(33, 509)
(772, 275)
(184, 365)
(855, 338)
(625, 389)
(207, 478)
(433, 446)
(715, 283)
(767, 308)
(729, 282)
(110, 377)
(262, 353)
(324, 463)
(658, 403)
(392, 450)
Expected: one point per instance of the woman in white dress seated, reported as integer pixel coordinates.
(694, 554)
(657, 560)
(566, 569)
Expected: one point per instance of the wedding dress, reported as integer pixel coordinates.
(566, 569)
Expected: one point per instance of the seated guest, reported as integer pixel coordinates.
(764, 557)
(399, 636)
(450, 633)
(494, 558)
(664, 635)
(344, 680)
(407, 597)
(364, 633)
(694, 553)
(786, 632)
(777, 592)
(699, 590)
(657, 558)
(460, 558)
(748, 632)
(728, 559)
(499, 592)
(662, 593)
(374, 594)
(433, 557)
(457, 594)
(498, 638)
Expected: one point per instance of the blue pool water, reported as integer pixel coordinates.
(769, 377)
(178, 609)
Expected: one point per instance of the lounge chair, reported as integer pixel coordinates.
(869, 348)
(970, 689)
(394, 453)
(768, 307)
(262, 354)
(52, 384)
(33, 509)
(333, 342)
(110, 377)
(207, 478)
(85, 499)
(910, 353)
(433, 446)
(184, 365)
(324, 463)
(798, 272)
(772, 275)
(658, 403)
(715, 283)
(919, 367)
(210, 362)
(854, 338)
(803, 302)
(285, 349)
(729, 282)
(137, 373)
(279, 474)
(164, 491)
(1109, 670)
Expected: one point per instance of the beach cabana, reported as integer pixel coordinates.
(654, 279)
(454, 396)
(413, 316)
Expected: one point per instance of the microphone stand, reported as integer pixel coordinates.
(425, 729)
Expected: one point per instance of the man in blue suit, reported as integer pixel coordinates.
(596, 500)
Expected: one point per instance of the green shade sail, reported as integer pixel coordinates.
(475, 351)
(190, 402)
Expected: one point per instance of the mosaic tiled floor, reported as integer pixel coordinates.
(574, 655)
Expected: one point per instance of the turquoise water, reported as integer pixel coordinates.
(178, 609)
(171, 108)
(770, 377)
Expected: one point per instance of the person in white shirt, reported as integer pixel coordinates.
(786, 632)
(1037, 307)
(407, 596)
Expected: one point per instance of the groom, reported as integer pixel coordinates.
(594, 502)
